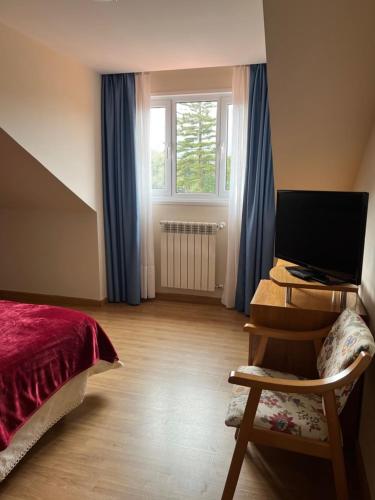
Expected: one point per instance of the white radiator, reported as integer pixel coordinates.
(188, 254)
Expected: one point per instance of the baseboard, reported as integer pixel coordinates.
(60, 300)
(55, 300)
(192, 299)
(363, 482)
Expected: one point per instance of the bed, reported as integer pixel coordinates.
(46, 356)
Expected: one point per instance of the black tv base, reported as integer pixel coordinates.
(307, 274)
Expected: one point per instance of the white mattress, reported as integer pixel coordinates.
(61, 403)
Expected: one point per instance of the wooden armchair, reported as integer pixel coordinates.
(285, 411)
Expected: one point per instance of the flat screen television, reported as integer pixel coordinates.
(323, 231)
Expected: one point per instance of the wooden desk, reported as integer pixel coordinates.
(309, 310)
(281, 276)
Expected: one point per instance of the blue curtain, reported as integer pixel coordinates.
(258, 213)
(121, 211)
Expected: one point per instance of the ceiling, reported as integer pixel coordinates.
(144, 35)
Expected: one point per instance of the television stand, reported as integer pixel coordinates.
(307, 274)
(282, 276)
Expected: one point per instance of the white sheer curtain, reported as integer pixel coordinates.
(240, 96)
(144, 183)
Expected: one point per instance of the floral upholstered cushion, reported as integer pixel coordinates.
(348, 337)
(297, 414)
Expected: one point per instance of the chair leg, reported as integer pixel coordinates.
(337, 455)
(241, 444)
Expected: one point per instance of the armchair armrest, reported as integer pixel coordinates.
(265, 333)
(319, 386)
(273, 333)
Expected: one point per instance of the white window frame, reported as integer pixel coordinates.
(170, 194)
(165, 103)
(225, 102)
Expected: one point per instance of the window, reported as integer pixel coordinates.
(191, 147)
(158, 147)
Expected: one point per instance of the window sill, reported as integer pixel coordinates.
(215, 202)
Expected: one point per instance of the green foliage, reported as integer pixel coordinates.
(227, 172)
(196, 147)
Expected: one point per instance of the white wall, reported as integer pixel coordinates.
(191, 80)
(48, 235)
(50, 252)
(185, 81)
(50, 105)
(321, 80)
(365, 181)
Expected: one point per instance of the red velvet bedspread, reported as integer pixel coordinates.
(41, 348)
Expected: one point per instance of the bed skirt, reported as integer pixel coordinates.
(60, 404)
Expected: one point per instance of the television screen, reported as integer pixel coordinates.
(323, 231)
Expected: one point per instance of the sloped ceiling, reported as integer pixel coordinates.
(143, 35)
(26, 184)
(321, 76)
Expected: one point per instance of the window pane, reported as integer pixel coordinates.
(158, 147)
(196, 147)
(228, 159)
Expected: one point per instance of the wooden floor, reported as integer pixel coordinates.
(155, 428)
